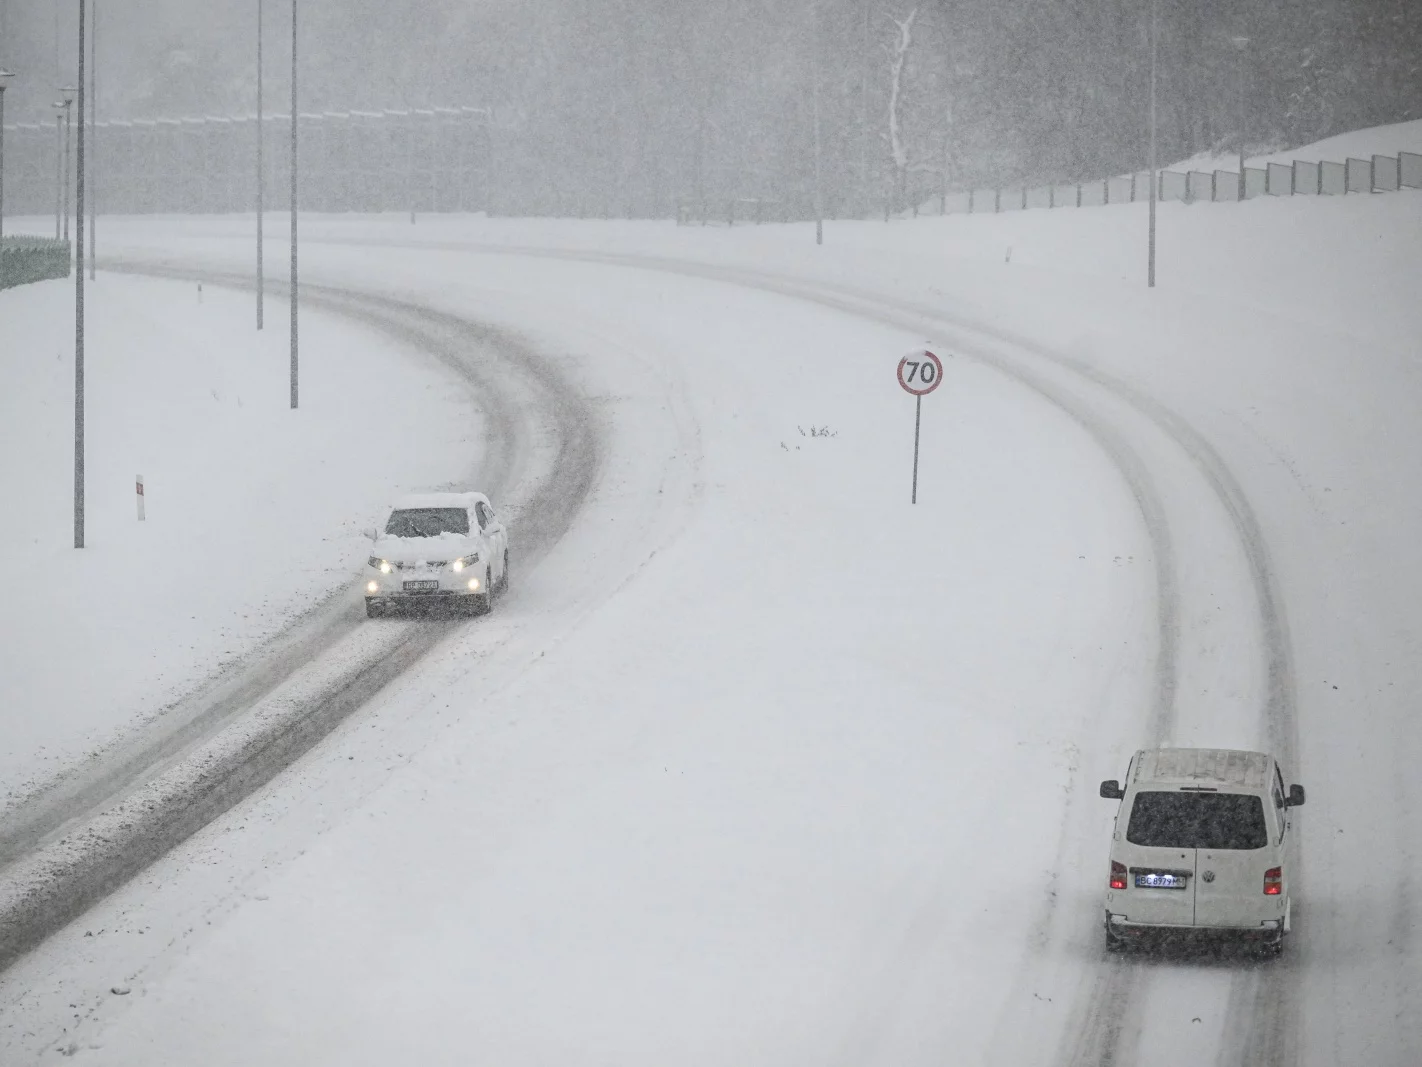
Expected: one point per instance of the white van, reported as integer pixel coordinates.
(1201, 844)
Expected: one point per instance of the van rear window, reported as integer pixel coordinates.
(1167, 819)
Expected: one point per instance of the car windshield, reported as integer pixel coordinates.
(1197, 820)
(427, 522)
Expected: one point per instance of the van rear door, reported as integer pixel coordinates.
(1234, 854)
(1160, 861)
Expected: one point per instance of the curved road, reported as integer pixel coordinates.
(1147, 442)
(541, 460)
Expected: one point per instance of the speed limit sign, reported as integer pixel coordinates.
(919, 374)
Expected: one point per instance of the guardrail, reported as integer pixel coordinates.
(1378, 174)
(32, 259)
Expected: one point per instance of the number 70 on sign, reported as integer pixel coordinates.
(920, 372)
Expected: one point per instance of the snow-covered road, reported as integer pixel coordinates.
(796, 772)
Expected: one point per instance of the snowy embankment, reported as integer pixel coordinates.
(253, 511)
(812, 777)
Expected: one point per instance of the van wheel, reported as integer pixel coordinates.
(372, 609)
(504, 577)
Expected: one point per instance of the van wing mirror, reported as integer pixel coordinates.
(369, 533)
(1112, 790)
(1296, 797)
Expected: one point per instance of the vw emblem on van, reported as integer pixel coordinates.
(1208, 876)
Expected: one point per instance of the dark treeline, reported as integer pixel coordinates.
(622, 106)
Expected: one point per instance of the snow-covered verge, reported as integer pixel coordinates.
(817, 784)
(253, 511)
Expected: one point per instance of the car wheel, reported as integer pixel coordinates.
(504, 577)
(483, 603)
(373, 610)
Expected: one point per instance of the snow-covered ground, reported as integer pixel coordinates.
(253, 511)
(762, 764)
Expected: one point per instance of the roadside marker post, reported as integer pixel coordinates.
(140, 498)
(919, 374)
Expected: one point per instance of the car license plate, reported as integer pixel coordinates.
(421, 587)
(1160, 880)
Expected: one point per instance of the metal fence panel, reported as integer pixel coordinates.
(1118, 190)
(1199, 185)
(1386, 174)
(1172, 185)
(1280, 180)
(1064, 196)
(1255, 181)
(1332, 178)
(1306, 178)
(1409, 165)
(1093, 194)
(1359, 175)
(1226, 185)
(1039, 196)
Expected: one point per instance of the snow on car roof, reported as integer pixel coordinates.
(438, 500)
(1223, 765)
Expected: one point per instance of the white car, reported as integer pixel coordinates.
(1201, 845)
(446, 549)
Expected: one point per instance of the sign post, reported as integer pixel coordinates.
(139, 486)
(919, 374)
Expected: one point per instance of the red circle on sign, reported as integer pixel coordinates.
(920, 372)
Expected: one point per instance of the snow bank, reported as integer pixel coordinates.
(253, 511)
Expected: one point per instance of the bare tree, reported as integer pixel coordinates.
(898, 52)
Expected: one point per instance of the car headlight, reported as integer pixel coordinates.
(382, 565)
(465, 561)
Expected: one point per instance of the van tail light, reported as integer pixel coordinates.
(1118, 876)
(1273, 881)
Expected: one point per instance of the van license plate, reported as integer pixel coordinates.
(1160, 880)
(421, 587)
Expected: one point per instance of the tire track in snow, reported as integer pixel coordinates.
(53, 878)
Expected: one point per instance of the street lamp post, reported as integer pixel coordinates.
(93, 136)
(79, 308)
(261, 179)
(293, 204)
(1154, 179)
(66, 105)
(58, 168)
(1240, 44)
(5, 77)
(815, 76)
